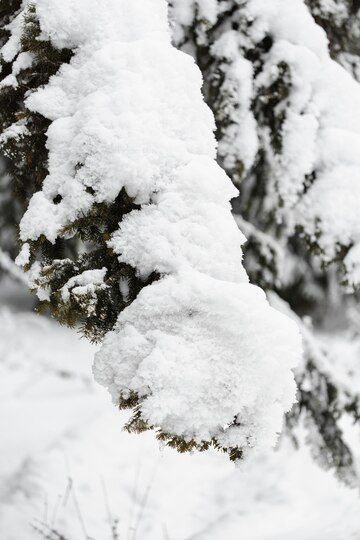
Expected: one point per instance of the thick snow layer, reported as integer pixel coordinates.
(67, 464)
(187, 225)
(127, 111)
(321, 131)
(239, 345)
(201, 348)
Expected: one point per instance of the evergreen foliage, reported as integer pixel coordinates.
(23, 139)
(322, 404)
(9, 212)
(82, 245)
(123, 226)
(340, 20)
(252, 107)
(233, 47)
(81, 276)
(96, 315)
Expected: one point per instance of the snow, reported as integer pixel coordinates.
(84, 284)
(240, 140)
(321, 131)
(7, 264)
(23, 61)
(115, 112)
(200, 346)
(24, 256)
(334, 8)
(290, 21)
(207, 357)
(11, 48)
(67, 463)
(189, 224)
(13, 132)
(239, 344)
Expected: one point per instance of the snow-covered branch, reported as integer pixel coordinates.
(196, 352)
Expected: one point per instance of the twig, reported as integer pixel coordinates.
(112, 522)
(72, 492)
(144, 500)
(135, 493)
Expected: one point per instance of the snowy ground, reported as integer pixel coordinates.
(66, 464)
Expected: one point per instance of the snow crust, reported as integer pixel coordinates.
(206, 354)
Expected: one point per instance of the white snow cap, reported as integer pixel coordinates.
(201, 346)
